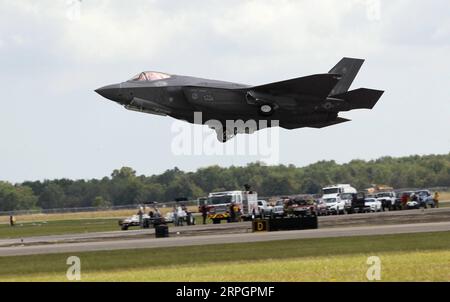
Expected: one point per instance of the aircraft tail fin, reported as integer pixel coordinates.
(362, 98)
(348, 68)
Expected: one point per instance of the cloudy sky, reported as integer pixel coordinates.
(54, 53)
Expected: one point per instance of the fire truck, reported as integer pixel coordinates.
(245, 203)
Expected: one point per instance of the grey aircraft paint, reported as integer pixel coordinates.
(313, 101)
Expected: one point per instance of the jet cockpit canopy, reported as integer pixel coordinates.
(148, 76)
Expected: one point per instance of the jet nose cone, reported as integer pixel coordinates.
(111, 92)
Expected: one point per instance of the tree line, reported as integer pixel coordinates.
(124, 187)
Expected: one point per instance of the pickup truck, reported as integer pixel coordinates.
(388, 201)
(264, 209)
(278, 209)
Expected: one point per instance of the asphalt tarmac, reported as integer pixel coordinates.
(368, 219)
(151, 242)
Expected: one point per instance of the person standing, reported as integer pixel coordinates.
(436, 199)
(12, 220)
(238, 213)
(140, 213)
(232, 213)
(157, 213)
(204, 210)
(181, 215)
(404, 200)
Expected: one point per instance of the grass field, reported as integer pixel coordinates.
(409, 257)
(444, 196)
(69, 216)
(83, 215)
(58, 227)
(445, 204)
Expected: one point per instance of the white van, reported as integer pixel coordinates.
(336, 197)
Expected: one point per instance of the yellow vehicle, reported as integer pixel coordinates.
(220, 203)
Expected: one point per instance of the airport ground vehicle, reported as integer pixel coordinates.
(244, 203)
(131, 221)
(346, 198)
(301, 206)
(358, 204)
(421, 199)
(278, 209)
(425, 198)
(335, 205)
(322, 209)
(134, 220)
(388, 200)
(170, 217)
(403, 197)
(374, 204)
(264, 209)
(187, 218)
(335, 197)
(412, 205)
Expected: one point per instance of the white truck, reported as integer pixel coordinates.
(244, 204)
(278, 209)
(264, 209)
(388, 200)
(337, 197)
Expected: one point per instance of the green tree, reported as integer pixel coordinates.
(100, 202)
(125, 187)
(18, 197)
(52, 197)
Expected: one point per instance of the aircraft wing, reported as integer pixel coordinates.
(319, 85)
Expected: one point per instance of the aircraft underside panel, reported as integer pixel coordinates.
(146, 106)
(216, 99)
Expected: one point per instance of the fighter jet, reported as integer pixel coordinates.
(312, 101)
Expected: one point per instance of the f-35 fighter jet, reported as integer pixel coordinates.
(311, 101)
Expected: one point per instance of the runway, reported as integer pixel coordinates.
(151, 242)
(356, 220)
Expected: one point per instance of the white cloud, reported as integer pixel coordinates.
(108, 30)
(18, 40)
(106, 33)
